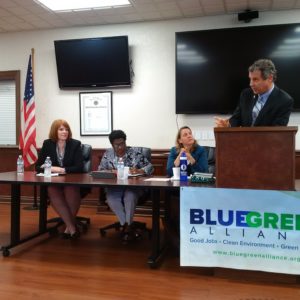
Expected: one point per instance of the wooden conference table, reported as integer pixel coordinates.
(15, 180)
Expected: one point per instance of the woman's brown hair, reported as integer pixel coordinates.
(54, 129)
(178, 136)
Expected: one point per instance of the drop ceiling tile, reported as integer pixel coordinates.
(192, 12)
(8, 3)
(145, 7)
(171, 13)
(25, 26)
(138, 2)
(124, 10)
(113, 19)
(12, 19)
(212, 2)
(37, 9)
(4, 13)
(9, 27)
(235, 5)
(133, 17)
(167, 6)
(260, 4)
(283, 4)
(153, 15)
(189, 4)
(18, 11)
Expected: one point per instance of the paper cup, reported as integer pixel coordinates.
(176, 173)
(126, 171)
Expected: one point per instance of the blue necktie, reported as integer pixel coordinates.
(257, 108)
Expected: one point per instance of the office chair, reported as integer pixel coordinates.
(211, 151)
(82, 222)
(138, 226)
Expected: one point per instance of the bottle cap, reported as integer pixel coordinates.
(183, 155)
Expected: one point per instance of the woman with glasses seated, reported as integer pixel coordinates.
(66, 156)
(122, 201)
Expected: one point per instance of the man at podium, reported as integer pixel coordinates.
(263, 104)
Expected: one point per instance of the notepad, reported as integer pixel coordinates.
(135, 175)
(204, 175)
(103, 175)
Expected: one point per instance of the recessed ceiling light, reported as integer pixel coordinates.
(64, 5)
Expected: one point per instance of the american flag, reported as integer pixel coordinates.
(28, 126)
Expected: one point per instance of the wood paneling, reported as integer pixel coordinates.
(159, 159)
(297, 167)
(256, 157)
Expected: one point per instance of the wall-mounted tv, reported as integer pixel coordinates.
(93, 62)
(212, 65)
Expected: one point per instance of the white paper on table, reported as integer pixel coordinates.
(157, 179)
(42, 174)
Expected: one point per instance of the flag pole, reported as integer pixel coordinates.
(34, 205)
(32, 64)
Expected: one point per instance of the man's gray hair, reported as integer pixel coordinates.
(266, 66)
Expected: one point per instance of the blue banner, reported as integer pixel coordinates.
(240, 229)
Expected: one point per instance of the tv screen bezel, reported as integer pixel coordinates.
(93, 84)
(243, 78)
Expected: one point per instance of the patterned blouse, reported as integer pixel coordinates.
(133, 158)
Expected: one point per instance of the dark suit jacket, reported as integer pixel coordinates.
(276, 111)
(73, 159)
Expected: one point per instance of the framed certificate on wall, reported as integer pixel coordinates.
(95, 113)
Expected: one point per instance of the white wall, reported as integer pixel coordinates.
(146, 112)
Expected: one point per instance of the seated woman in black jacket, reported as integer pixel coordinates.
(66, 156)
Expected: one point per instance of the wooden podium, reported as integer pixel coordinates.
(255, 157)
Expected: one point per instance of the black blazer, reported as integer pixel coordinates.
(276, 111)
(73, 159)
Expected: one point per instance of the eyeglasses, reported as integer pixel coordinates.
(119, 145)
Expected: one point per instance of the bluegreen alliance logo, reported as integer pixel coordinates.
(246, 219)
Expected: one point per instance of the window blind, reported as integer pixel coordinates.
(7, 112)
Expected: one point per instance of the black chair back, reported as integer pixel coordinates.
(211, 159)
(87, 157)
(87, 166)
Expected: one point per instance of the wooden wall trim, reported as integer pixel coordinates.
(159, 158)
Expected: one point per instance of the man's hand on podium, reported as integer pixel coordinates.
(220, 122)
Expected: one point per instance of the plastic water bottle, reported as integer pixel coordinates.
(20, 165)
(47, 167)
(120, 169)
(183, 167)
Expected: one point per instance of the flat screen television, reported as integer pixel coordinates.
(93, 62)
(212, 65)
